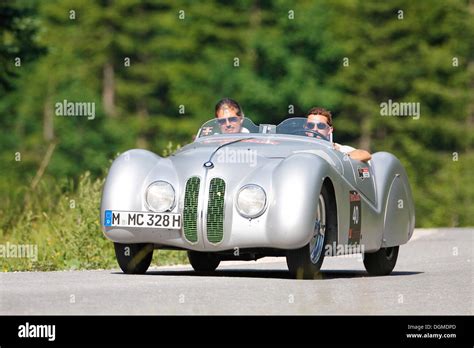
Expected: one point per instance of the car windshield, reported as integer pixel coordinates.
(297, 126)
(230, 125)
(236, 125)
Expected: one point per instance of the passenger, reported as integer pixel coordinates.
(320, 120)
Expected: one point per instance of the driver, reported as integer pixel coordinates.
(230, 116)
(320, 120)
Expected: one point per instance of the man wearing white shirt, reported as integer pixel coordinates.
(320, 120)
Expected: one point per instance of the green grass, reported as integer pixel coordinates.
(62, 220)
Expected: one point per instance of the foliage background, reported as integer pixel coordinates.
(183, 54)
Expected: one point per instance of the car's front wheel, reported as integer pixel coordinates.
(203, 262)
(381, 262)
(134, 258)
(305, 263)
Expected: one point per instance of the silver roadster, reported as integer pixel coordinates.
(265, 191)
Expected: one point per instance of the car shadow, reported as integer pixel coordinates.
(270, 273)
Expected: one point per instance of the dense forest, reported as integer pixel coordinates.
(155, 69)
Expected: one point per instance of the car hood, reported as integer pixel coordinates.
(244, 157)
(254, 160)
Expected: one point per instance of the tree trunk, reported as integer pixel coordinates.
(470, 106)
(365, 136)
(108, 91)
(48, 120)
(142, 141)
(254, 24)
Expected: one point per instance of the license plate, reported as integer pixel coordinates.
(142, 219)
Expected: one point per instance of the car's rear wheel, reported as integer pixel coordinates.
(134, 258)
(203, 262)
(305, 263)
(381, 262)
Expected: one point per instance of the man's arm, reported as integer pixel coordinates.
(360, 155)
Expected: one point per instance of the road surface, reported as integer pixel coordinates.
(434, 275)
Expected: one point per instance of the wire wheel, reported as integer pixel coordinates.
(316, 244)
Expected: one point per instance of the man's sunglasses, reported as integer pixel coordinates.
(232, 119)
(319, 125)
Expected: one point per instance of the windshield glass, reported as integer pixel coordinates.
(230, 125)
(298, 126)
(236, 125)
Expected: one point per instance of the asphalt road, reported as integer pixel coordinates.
(434, 275)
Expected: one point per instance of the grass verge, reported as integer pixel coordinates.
(61, 221)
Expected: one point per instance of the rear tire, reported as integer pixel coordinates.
(381, 262)
(203, 262)
(306, 262)
(134, 258)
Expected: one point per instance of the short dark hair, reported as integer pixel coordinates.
(322, 112)
(231, 103)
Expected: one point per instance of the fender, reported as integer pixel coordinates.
(297, 182)
(395, 201)
(125, 185)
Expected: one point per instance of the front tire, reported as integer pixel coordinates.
(381, 262)
(306, 262)
(134, 258)
(203, 262)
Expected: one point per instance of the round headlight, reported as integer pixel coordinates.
(160, 196)
(251, 201)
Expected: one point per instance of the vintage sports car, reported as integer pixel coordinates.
(264, 191)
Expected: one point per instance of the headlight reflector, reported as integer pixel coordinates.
(251, 201)
(160, 196)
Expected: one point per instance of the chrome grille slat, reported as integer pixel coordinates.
(215, 211)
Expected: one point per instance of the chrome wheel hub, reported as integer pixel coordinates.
(316, 244)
